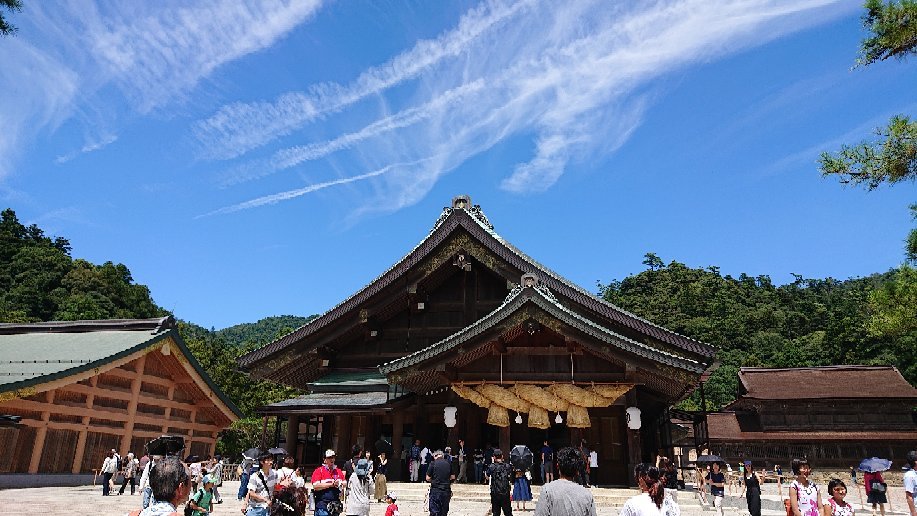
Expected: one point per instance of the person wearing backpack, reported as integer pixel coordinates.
(261, 486)
(426, 457)
(500, 475)
(359, 485)
(202, 502)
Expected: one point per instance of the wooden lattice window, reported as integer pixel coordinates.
(58, 452)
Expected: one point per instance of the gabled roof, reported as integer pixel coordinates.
(471, 219)
(869, 382)
(37, 353)
(541, 297)
(727, 427)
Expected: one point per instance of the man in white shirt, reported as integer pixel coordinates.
(910, 483)
(425, 453)
(260, 486)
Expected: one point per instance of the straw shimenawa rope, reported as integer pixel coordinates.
(503, 397)
(578, 417)
(498, 416)
(579, 396)
(471, 395)
(612, 392)
(538, 418)
(539, 397)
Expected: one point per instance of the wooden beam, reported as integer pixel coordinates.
(113, 416)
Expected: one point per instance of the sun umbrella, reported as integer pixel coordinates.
(252, 453)
(521, 457)
(875, 464)
(709, 459)
(277, 451)
(192, 458)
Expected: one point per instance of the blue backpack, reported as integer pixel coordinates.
(362, 468)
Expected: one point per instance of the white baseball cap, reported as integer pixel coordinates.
(330, 453)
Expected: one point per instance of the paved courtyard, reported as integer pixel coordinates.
(468, 500)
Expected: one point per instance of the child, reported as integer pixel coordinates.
(202, 501)
(836, 505)
(392, 509)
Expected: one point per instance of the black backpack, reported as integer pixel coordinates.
(429, 458)
(499, 479)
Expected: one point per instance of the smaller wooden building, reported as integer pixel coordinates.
(82, 388)
(835, 416)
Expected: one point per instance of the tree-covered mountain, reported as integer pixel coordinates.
(752, 322)
(40, 281)
(263, 331)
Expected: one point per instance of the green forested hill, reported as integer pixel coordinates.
(40, 281)
(263, 331)
(753, 322)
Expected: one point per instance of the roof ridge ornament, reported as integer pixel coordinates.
(463, 202)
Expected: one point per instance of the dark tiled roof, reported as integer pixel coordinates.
(153, 325)
(823, 382)
(724, 426)
(543, 298)
(331, 399)
(476, 224)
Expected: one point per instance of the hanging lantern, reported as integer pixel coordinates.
(633, 418)
(558, 419)
(518, 419)
(449, 416)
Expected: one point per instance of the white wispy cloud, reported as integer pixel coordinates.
(157, 55)
(240, 127)
(38, 92)
(79, 59)
(571, 76)
(92, 146)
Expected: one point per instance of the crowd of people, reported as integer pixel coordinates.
(804, 497)
(350, 489)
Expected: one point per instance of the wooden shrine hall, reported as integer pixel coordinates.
(468, 337)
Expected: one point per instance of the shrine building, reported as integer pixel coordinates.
(468, 337)
(71, 391)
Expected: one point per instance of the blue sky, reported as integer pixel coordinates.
(248, 159)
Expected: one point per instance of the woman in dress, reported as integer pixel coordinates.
(381, 479)
(836, 506)
(652, 500)
(805, 498)
(875, 491)
(522, 491)
(752, 489)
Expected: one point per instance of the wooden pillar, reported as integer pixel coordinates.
(40, 434)
(292, 435)
(168, 415)
(264, 433)
(81, 438)
(504, 441)
(342, 429)
(132, 407)
(394, 462)
(634, 446)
